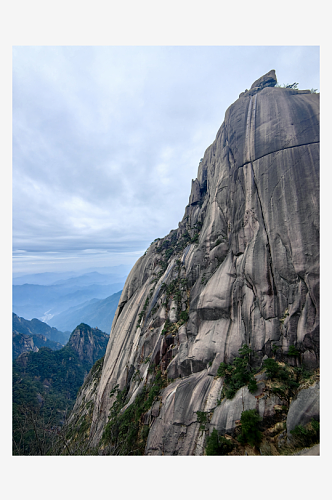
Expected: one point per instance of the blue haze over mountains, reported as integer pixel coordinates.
(68, 299)
(96, 313)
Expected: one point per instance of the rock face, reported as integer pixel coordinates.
(242, 268)
(22, 343)
(268, 80)
(304, 408)
(26, 343)
(89, 343)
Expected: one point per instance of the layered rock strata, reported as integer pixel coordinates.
(242, 268)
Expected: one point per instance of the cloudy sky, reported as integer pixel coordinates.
(106, 141)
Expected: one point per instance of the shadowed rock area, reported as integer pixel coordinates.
(242, 268)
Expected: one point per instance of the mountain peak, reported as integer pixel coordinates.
(267, 80)
(89, 343)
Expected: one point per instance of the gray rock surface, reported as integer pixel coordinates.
(22, 343)
(314, 451)
(243, 263)
(229, 411)
(268, 80)
(26, 343)
(304, 408)
(89, 343)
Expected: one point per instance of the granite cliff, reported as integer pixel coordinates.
(242, 269)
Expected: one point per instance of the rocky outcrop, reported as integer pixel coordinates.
(268, 80)
(304, 408)
(89, 343)
(242, 268)
(22, 343)
(26, 343)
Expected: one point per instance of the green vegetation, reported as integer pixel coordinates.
(282, 320)
(286, 383)
(288, 86)
(306, 435)
(96, 369)
(271, 368)
(173, 327)
(301, 373)
(167, 327)
(19, 343)
(292, 351)
(125, 433)
(204, 279)
(154, 241)
(73, 438)
(45, 386)
(294, 85)
(61, 371)
(173, 245)
(220, 239)
(195, 238)
(250, 432)
(202, 419)
(142, 313)
(218, 445)
(175, 290)
(237, 374)
(184, 316)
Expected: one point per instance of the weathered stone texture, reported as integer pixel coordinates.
(304, 408)
(250, 261)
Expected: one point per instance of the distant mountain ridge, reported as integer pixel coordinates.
(50, 278)
(41, 278)
(43, 295)
(43, 302)
(87, 279)
(37, 327)
(96, 312)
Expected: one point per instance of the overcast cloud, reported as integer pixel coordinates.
(106, 141)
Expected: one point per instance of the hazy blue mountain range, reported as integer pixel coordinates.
(44, 301)
(87, 279)
(51, 278)
(99, 313)
(37, 327)
(41, 278)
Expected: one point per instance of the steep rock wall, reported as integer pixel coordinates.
(242, 268)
